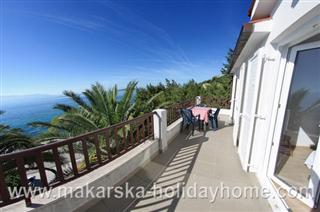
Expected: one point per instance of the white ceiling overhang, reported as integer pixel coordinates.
(262, 9)
(250, 38)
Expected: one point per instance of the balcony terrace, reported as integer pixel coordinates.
(206, 160)
(150, 155)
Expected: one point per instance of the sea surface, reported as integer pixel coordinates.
(21, 110)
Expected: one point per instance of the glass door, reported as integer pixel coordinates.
(297, 161)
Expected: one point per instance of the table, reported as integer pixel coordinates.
(203, 112)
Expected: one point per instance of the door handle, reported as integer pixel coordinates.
(259, 117)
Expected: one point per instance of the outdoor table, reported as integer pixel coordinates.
(203, 112)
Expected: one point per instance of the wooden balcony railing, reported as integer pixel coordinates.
(214, 102)
(97, 148)
(173, 111)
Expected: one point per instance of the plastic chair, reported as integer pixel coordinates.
(189, 119)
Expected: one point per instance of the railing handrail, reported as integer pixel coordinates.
(66, 141)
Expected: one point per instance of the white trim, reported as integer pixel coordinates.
(259, 34)
(307, 26)
(286, 187)
(276, 202)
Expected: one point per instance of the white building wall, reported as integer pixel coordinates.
(286, 13)
(293, 22)
(285, 17)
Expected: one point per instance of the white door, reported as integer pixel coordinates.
(295, 157)
(252, 85)
(236, 112)
(238, 104)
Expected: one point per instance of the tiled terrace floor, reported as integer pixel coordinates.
(205, 159)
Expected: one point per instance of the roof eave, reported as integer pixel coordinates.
(250, 34)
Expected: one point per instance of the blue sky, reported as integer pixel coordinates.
(50, 46)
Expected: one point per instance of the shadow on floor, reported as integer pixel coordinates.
(205, 159)
(163, 175)
(163, 192)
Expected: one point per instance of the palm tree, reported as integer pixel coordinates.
(13, 139)
(95, 108)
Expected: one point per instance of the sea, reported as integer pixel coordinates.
(21, 110)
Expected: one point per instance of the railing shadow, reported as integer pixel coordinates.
(164, 192)
(169, 170)
(164, 174)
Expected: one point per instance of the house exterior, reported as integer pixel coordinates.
(276, 98)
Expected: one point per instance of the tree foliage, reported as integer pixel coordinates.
(172, 92)
(95, 108)
(98, 107)
(13, 139)
(226, 66)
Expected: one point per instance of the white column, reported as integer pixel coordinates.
(198, 100)
(160, 128)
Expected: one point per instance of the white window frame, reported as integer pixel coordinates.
(284, 92)
(242, 72)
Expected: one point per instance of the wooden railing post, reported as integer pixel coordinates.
(42, 171)
(58, 164)
(85, 153)
(73, 159)
(4, 193)
(97, 146)
(23, 178)
(107, 134)
(124, 138)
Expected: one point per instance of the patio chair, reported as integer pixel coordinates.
(189, 119)
(213, 117)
